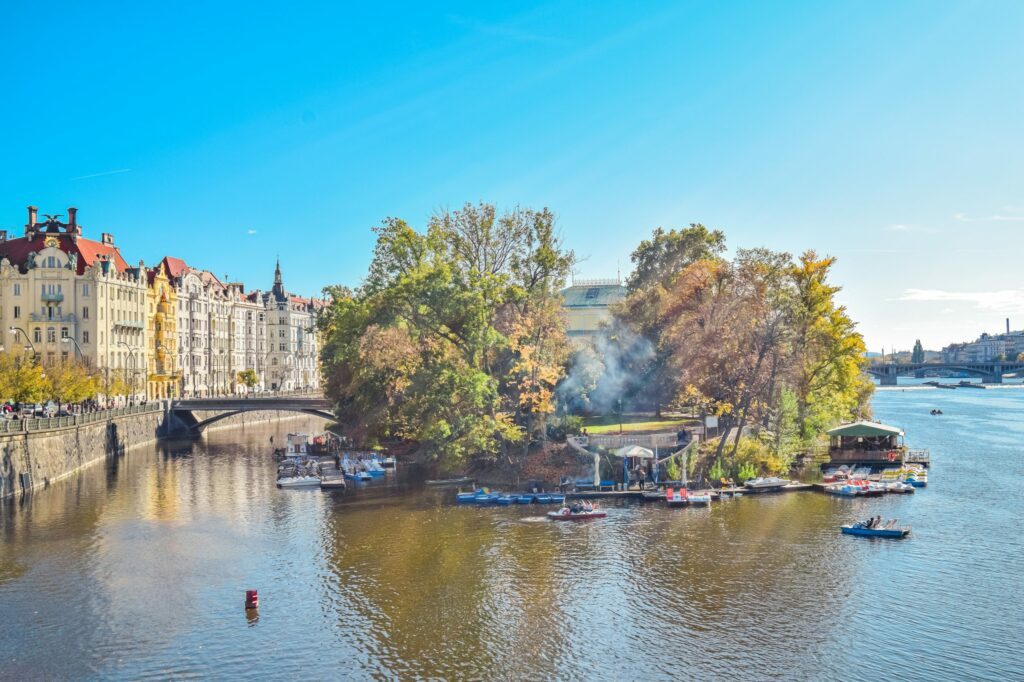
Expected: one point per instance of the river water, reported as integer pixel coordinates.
(137, 571)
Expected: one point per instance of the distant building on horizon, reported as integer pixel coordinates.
(587, 304)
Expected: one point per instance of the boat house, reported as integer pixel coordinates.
(865, 442)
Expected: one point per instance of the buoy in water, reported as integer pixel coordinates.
(252, 599)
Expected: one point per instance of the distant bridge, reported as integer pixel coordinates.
(181, 417)
(990, 372)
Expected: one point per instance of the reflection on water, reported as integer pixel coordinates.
(140, 570)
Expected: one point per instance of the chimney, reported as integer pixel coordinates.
(106, 238)
(3, 235)
(72, 218)
(30, 227)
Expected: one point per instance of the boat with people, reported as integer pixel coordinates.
(577, 512)
(876, 527)
(766, 484)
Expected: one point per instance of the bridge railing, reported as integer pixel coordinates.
(36, 424)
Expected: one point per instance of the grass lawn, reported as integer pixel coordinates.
(610, 425)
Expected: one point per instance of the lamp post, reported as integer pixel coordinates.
(71, 339)
(131, 354)
(19, 330)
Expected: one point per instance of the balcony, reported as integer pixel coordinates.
(53, 296)
(60, 319)
(129, 324)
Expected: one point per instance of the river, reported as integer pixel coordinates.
(137, 570)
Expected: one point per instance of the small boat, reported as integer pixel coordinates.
(566, 514)
(900, 488)
(557, 499)
(676, 498)
(467, 498)
(700, 499)
(358, 476)
(389, 462)
(505, 500)
(889, 530)
(298, 482)
(768, 484)
(524, 498)
(465, 480)
(543, 498)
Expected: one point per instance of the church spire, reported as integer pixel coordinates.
(278, 289)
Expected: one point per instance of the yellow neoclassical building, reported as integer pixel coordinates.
(162, 351)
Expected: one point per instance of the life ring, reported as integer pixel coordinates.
(891, 456)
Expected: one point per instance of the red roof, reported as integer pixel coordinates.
(88, 251)
(175, 266)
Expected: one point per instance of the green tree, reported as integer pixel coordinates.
(455, 339)
(248, 378)
(918, 353)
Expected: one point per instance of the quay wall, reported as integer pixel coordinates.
(30, 460)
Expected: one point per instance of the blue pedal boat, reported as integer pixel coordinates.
(862, 530)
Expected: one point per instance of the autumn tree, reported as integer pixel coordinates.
(248, 378)
(454, 340)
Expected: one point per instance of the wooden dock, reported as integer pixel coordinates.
(659, 494)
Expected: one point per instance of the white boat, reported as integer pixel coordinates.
(699, 499)
(766, 484)
(304, 481)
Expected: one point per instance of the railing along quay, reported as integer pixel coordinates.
(36, 424)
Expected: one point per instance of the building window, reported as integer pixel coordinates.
(282, 347)
(85, 337)
(274, 361)
(63, 332)
(17, 312)
(85, 290)
(85, 312)
(17, 289)
(51, 261)
(51, 335)
(37, 335)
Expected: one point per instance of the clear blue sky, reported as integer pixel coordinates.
(887, 134)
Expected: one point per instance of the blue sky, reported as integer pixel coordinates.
(886, 134)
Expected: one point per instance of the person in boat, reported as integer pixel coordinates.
(587, 507)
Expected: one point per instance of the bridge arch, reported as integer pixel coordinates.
(199, 426)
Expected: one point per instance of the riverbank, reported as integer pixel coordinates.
(33, 459)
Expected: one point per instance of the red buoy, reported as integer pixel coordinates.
(252, 599)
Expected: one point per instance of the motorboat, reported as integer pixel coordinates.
(465, 480)
(567, 514)
(886, 530)
(766, 484)
(300, 481)
(700, 499)
(844, 489)
(899, 487)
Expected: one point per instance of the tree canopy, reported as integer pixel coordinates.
(455, 338)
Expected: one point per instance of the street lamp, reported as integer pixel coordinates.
(131, 354)
(19, 330)
(71, 339)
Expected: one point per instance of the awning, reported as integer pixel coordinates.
(635, 451)
(865, 429)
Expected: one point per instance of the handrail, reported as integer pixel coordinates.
(36, 424)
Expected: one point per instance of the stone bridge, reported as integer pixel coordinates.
(181, 419)
(990, 372)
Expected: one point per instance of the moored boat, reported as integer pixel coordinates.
(676, 498)
(766, 484)
(699, 499)
(301, 481)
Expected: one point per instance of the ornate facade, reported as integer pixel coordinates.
(168, 331)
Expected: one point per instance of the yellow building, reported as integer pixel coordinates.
(162, 350)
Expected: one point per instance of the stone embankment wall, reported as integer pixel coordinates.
(34, 459)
